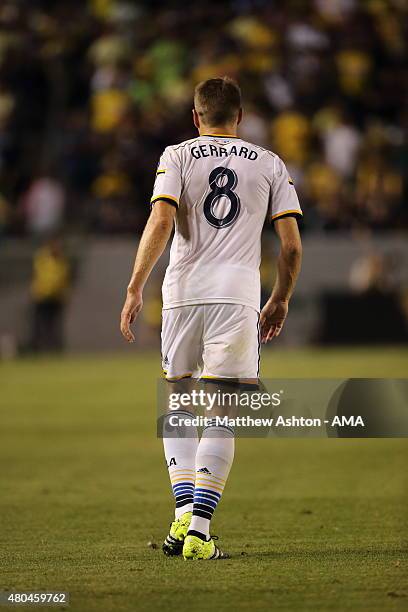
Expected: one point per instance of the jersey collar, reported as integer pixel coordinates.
(220, 135)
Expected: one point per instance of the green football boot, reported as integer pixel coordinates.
(173, 544)
(195, 548)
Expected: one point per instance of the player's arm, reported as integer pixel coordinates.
(164, 203)
(152, 244)
(275, 311)
(285, 209)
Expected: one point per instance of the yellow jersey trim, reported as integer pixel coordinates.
(221, 135)
(164, 196)
(238, 381)
(176, 378)
(287, 212)
(161, 171)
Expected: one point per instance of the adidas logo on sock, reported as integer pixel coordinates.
(204, 470)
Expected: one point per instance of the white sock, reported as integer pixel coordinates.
(214, 459)
(180, 448)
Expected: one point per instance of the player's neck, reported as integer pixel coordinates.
(222, 130)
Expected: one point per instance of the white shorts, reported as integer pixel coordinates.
(210, 341)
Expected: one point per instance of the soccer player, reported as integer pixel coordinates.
(217, 191)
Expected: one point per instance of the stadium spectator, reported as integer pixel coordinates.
(43, 205)
(49, 290)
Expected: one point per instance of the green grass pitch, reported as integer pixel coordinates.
(312, 524)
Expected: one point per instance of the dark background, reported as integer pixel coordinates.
(92, 92)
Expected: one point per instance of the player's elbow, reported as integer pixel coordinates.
(292, 250)
(162, 219)
(162, 226)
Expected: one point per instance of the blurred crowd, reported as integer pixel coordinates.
(92, 91)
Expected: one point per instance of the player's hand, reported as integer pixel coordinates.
(132, 307)
(272, 318)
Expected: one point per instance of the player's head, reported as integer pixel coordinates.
(217, 103)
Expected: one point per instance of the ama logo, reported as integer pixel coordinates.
(351, 421)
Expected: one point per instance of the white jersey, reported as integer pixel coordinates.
(224, 189)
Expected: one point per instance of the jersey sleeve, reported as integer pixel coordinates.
(167, 185)
(283, 198)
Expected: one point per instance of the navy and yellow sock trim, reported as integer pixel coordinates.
(205, 502)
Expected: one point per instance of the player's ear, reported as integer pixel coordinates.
(240, 114)
(196, 119)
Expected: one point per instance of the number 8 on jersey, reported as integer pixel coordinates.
(218, 191)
